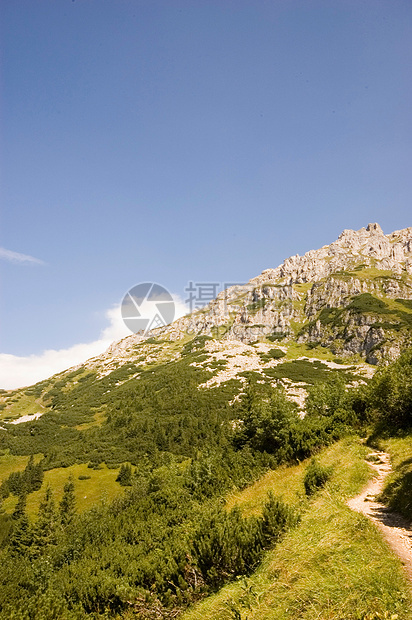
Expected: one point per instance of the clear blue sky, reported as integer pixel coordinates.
(168, 141)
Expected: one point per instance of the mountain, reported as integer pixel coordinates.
(345, 305)
(118, 476)
(352, 297)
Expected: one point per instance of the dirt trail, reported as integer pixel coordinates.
(395, 528)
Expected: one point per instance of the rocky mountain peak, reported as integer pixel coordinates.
(368, 245)
(374, 228)
(353, 297)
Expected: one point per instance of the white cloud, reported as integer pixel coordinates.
(18, 371)
(16, 257)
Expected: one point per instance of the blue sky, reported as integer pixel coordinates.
(169, 141)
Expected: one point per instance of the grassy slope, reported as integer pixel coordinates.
(397, 492)
(12, 462)
(20, 404)
(333, 566)
(101, 485)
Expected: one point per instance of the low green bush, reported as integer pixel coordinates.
(316, 476)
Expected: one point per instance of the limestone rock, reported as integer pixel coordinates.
(308, 298)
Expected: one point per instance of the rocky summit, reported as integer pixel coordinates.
(352, 298)
(346, 307)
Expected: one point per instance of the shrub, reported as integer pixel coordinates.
(227, 544)
(316, 477)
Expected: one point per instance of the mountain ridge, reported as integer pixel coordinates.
(347, 305)
(297, 290)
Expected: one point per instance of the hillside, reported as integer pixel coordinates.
(345, 307)
(119, 475)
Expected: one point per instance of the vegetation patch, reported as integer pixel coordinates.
(367, 303)
(397, 492)
(405, 302)
(330, 316)
(277, 336)
(334, 565)
(300, 371)
(257, 305)
(272, 354)
(316, 476)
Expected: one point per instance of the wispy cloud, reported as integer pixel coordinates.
(17, 371)
(16, 257)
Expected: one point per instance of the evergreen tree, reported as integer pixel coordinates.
(267, 422)
(34, 475)
(21, 537)
(45, 528)
(67, 506)
(125, 475)
(20, 508)
(16, 482)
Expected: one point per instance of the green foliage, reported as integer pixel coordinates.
(330, 316)
(20, 508)
(272, 354)
(161, 411)
(26, 481)
(136, 549)
(276, 336)
(335, 565)
(267, 422)
(316, 476)
(277, 518)
(405, 302)
(302, 370)
(270, 422)
(397, 492)
(226, 544)
(366, 303)
(67, 506)
(21, 536)
(257, 305)
(125, 475)
(166, 540)
(390, 393)
(334, 400)
(45, 532)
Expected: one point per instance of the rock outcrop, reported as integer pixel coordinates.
(350, 296)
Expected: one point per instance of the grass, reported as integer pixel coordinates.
(101, 485)
(296, 350)
(405, 302)
(98, 419)
(12, 462)
(303, 371)
(23, 405)
(397, 492)
(252, 499)
(333, 566)
(365, 273)
(303, 287)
